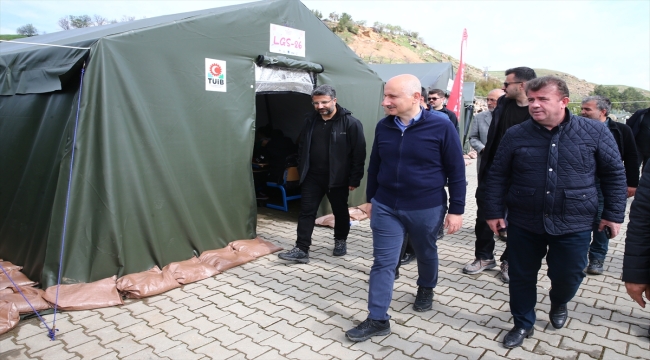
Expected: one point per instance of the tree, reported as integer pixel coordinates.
(81, 21)
(379, 27)
(64, 23)
(100, 20)
(27, 30)
(317, 13)
(334, 16)
(127, 18)
(630, 99)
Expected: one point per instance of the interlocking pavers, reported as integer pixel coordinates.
(126, 346)
(214, 350)
(426, 352)
(193, 339)
(593, 351)
(225, 336)
(91, 350)
(172, 327)
(249, 348)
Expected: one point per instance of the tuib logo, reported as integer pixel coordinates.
(215, 71)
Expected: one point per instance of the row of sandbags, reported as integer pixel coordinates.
(109, 292)
(357, 213)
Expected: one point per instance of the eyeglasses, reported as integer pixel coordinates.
(434, 99)
(316, 103)
(505, 84)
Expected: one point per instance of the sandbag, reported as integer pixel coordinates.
(365, 207)
(86, 296)
(189, 271)
(224, 259)
(19, 279)
(9, 316)
(256, 247)
(34, 295)
(356, 213)
(326, 220)
(146, 283)
(7, 265)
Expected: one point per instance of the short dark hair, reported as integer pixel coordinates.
(544, 81)
(522, 73)
(438, 92)
(324, 90)
(602, 102)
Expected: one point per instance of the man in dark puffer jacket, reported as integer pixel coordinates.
(636, 262)
(544, 173)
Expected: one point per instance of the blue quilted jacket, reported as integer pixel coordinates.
(546, 178)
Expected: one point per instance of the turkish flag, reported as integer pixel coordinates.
(456, 95)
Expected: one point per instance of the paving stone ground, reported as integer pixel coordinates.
(268, 309)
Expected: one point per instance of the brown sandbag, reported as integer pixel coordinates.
(8, 290)
(7, 265)
(365, 207)
(19, 278)
(86, 296)
(146, 283)
(9, 316)
(34, 295)
(224, 259)
(326, 220)
(189, 271)
(357, 214)
(256, 247)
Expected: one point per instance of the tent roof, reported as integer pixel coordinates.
(431, 75)
(85, 37)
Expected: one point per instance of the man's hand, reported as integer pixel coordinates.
(612, 225)
(351, 188)
(496, 224)
(631, 191)
(636, 292)
(453, 223)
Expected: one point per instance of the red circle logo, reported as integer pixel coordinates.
(215, 69)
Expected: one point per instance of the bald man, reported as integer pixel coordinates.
(414, 153)
(479, 130)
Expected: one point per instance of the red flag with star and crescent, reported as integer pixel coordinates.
(454, 102)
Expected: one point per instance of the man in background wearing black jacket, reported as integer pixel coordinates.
(598, 108)
(332, 152)
(511, 109)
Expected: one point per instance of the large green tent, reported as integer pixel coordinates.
(165, 122)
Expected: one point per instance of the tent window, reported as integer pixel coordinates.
(274, 79)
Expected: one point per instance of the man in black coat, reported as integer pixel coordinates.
(640, 124)
(544, 172)
(332, 151)
(511, 109)
(636, 262)
(598, 108)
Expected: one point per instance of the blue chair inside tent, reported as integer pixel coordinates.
(290, 181)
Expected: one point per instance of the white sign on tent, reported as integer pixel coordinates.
(285, 40)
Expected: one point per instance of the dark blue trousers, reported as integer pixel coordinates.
(566, 257)
(388, 229)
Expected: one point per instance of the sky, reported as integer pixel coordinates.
(604, 42)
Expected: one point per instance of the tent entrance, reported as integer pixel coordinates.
(283, 97)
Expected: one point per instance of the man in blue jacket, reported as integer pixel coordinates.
(414, 153)
(544, 173)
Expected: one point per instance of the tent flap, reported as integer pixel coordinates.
(28, 73)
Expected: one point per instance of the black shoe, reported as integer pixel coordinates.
(367, 329)
(423, 299)
(407, 258)
(516, 336)
(595, 267)
(558, 315)
(296, 255)
(340, 248)
(396, 273)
